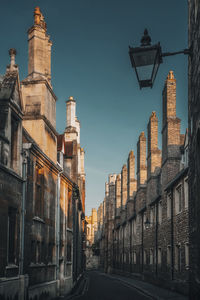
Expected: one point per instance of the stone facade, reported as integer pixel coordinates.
(194, 146)
(42, 182)
(149, 235)
(91, 233)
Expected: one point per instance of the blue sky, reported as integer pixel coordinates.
(90, 62)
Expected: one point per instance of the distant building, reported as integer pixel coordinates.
(145, 222)
(91, 227)
(42, 181)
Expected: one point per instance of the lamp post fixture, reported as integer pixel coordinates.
(147, 223)
(147, 58)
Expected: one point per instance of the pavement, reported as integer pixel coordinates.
(97, 285)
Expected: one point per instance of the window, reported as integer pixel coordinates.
(186, 192)
(134, 257)
(152, 216)
(151, 257)
(14, 143)
(144, 220)
(134, 226)
(39, 199)
(145, 257)
(160, 212)
(12, 235)
(169, 205)
(196, 9)
(69, 246)
(159, 256)
(69, 210)
(187, 255)
(169, 255)
(178, 258)
(178, 199)
(38, 252)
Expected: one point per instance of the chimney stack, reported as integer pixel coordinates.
(154, 154)
(123, 186)
(131, 182)
(141, 160)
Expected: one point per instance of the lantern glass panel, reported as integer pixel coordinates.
(145, 57)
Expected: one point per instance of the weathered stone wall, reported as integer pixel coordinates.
(194, 146)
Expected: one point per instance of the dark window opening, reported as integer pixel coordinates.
(12, 235)
(39, 199)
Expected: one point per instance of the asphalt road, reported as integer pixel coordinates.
(100, 286)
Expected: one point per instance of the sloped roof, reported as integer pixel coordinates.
(7, 84)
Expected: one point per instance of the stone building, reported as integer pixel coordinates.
(42, 181)
(91, 227)
(149, 235)
(194, 145)
(92, 260)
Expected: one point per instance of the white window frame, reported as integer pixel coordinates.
(178, 199)
(186, 192)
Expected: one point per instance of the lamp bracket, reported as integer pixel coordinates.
(185, 51)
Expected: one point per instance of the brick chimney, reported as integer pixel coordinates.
(131, 181)
(123, 186)
(141, 160)
(118, 195)
(154, 154)
(170, 130)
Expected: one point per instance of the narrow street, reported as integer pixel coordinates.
(101, 286)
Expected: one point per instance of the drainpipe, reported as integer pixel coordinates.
(156, 239)
(172, 234)
(22, 217)
(58, 227)
(142, 243)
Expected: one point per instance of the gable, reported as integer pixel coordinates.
(10, 89)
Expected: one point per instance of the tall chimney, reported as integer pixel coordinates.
(131, 182)
(141, 160)
(118, 195)
(123, 186)
(39, 63)
(154, 154)
(171, 124)
(71, 112)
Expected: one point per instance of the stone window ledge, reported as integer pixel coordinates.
(35, 265)
(69, 229)
(38, 219)
(68, 263)
(51, 265)
(11, 266)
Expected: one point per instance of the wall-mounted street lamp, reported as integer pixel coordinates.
(147, 224)
(147, 58)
